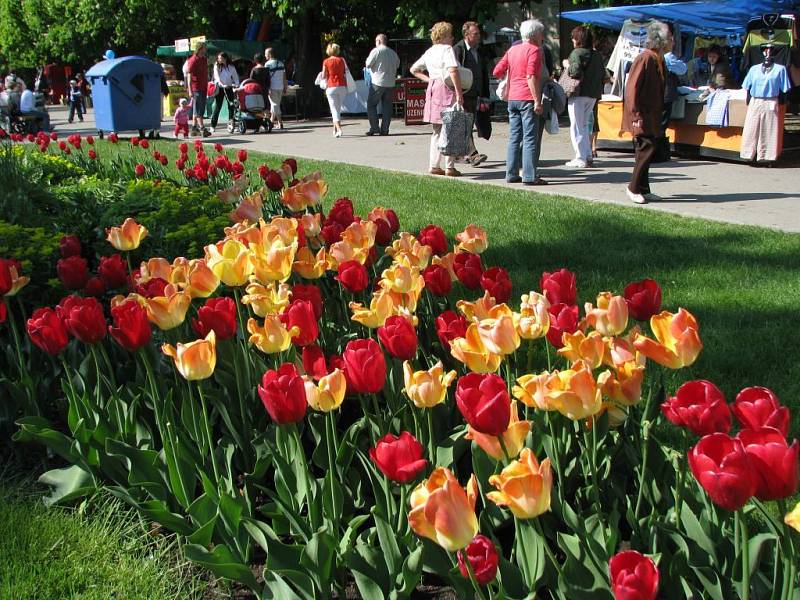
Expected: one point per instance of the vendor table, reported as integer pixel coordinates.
(688, 135)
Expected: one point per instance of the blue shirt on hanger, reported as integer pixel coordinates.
(761, 83)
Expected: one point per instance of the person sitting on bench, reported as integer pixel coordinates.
(27, 108)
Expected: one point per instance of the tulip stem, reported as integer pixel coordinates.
(556, 456)
(504, 448)
(645, 452)
(547, 549)
(431, 441)
(65, 366)
(401, 526)
(471, 571)
(330, 441)
(208, 433)
(245, 354)
(593, 458)
(745, 551)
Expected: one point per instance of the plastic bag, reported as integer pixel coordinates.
(456, 130)
(551, 125)
(321, 81)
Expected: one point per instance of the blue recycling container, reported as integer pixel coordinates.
(126, 94)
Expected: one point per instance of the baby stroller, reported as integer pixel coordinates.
(249, 109)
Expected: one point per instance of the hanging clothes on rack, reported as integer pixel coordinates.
(762, 137)
(630, 44)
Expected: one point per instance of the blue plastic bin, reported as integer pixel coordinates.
(126, 94)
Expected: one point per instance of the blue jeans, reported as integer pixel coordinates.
(522, 140)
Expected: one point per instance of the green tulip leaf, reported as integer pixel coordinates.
(68, 484)
(222, 563)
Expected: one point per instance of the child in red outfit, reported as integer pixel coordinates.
(181, 118)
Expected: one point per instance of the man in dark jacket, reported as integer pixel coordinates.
(468, 54)
(643, 107)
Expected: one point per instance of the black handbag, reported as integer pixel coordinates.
(483, 123)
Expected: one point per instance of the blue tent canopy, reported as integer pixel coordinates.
(714, 17)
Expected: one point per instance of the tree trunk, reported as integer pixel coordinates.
(309, 62)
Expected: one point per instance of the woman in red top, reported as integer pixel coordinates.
(334, 69)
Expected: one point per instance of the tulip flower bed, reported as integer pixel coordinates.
(341, 404)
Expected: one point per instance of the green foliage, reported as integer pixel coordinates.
(34, 247)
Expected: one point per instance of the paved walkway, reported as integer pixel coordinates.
(720, 191)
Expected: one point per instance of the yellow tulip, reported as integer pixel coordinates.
(17, 282)
(611, 315)
(792, 518)
(168, 311)
(269, 299)
(273, 262)
(195, 360)
(360, 234)
(574, 392)
(471, 351)
(381, 307)
(624, 386)
(246, 233)
(513, 437)
(328, 394)
(533, 319)
(309, 266)
(472, 239)
(678, 339)
(524, 486)
(407, 245)
(532, 391)
(201, 281)
(279, 228)
(128, 236)
(271, 337)
(499, 336)
(589, 348)
(343, 251)
(443, 511)
(427, 388)
(483, 308)
(402, 278)
(231, 261)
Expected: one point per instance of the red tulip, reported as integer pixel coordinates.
(92, 154)
(633, 576)
(113, 271)
(757, 407)
(152, 287)
(241, 156)
(314, 362)
(292, 163)
(131, 328)
(90, 140)
(144, 144)
(483, 558)
(721, 467)
(83, 318)
(364, 366)
(450, 326)
(497, 282)
(563, 318)
(3, 311)
(353, 276)
(6, 281)
(218, 147)
(383, 232)
(217, 314)
(274, 181)
(434, 237)
(468, 269)
(112, 137)
(94, 287)
(69, 245)
(559, 287)
(283, 394)
(399, 337)
(311, 293)
(331, 232)
(700, 407)
(399, 458)
(643, 298)
(139, 170)
(73, 272)
(47, 330)
(341, 212)
(774, 463)
(437, 280)
(484, 402)
(301, 314)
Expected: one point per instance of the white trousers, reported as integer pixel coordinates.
(580, 113)
(275, 102)
(336, 97)
(435, 160)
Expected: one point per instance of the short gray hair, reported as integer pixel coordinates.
(381, 39)
(531, 28)
(657, 34)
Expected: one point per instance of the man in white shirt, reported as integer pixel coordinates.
(382, 63)
(27, 107)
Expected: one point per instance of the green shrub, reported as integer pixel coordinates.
(47, 168)
(35, 247)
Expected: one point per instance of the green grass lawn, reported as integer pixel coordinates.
(742, 283)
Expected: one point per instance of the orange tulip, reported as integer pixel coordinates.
(270, 299)
(128, 236)
(624, 386)
(341, 252)
(589, 348)
(499, 336)
(328, 394)
(381, 307)
(473, 239)
(447, 261)
(360, 234)
(273, 262)
(309, 266)
(443, 511)
(271, 337)
(195, 360)
(483, 308)
(153, 268)
(201, 281)
(574, 392)
(471, 351)
(532, 391)
(312, 227)
(406, 244)
(513, 437)
(245, 232)
(250, 209)
(524, 486)
(230, 260)
(17, 282)
(168, 311)
(533, 320)
(611, 315)
(792, 518)
(427, 388)
(279, 228)
(678, 338)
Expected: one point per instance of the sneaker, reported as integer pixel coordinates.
(211, 129)
(651, 197)
(637, 198)
(476, 159)
(576, 163)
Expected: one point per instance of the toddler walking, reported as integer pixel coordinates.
(181, 118)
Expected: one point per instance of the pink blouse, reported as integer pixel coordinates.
(520, 61)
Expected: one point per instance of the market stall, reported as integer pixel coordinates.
(691, 129)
